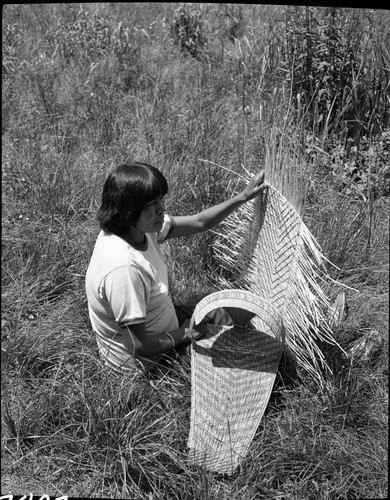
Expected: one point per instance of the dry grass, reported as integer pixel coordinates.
(69, 426)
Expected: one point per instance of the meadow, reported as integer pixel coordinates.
(205, 92)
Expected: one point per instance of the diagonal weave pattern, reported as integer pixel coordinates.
(233, 371)
(267, 249)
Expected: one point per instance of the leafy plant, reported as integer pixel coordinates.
(362, 173)
(187, 32)
(329, 52)
(89, 35)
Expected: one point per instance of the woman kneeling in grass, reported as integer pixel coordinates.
(129, 305)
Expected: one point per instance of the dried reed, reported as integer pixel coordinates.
(266, 248)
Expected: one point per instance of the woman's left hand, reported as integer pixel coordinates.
(255, 186)
(195, 332)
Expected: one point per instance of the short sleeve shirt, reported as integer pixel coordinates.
(127, 286)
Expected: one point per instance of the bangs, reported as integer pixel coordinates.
(153, 184)
(140, 183)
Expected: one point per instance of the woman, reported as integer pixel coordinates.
(129, 306)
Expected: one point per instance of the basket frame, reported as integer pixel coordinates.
(226, 457)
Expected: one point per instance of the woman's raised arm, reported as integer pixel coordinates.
(210, 217)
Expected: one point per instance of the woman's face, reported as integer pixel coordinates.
(152, 216)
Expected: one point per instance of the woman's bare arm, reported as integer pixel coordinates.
(138, 343)
(210, 217)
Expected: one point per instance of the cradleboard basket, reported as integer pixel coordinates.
(233, 370)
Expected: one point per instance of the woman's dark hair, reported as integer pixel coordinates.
(128, 188)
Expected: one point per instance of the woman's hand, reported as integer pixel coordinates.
(187, 332)
(255, 185)
(193, 333)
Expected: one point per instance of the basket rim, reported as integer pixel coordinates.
(237, 298)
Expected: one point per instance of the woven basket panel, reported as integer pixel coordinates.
(274, 251)
(268, 250)
(233, 372)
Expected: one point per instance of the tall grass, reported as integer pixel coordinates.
(86, 86)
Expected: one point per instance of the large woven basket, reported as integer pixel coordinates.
(233, 372)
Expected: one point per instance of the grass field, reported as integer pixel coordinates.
(87, 86)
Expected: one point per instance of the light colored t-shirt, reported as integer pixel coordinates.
(126, 286)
